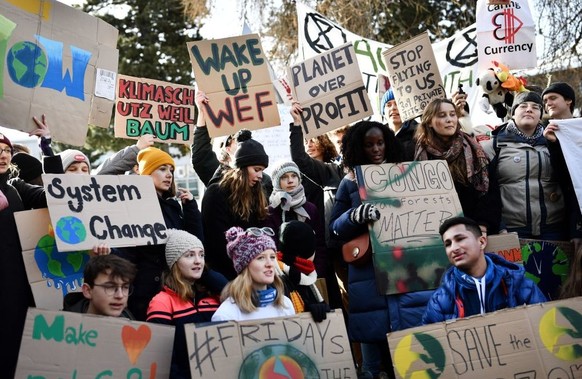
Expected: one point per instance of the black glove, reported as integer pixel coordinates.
(318, 311)
(364, 213)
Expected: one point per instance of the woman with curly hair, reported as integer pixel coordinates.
(439, 136)
(237, 200)
(257, 291)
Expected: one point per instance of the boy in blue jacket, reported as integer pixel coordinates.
(478, 282)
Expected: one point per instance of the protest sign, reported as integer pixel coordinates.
(234, 74)
(547, 263)
(506, 34)
(413, 198)
(537, 341)
(506, 244)
(330, 89)
(148, 106)
(74, 345)
(52, 58)
(414, 75)
(88, 210)
(287, 347)
(52, 274)
(570, 136)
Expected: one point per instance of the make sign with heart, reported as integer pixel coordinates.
(135, 340)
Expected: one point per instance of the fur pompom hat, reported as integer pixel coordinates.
(242, 246)
(150, 158)
(249, 152)
(179, 242)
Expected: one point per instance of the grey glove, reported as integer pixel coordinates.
(364, 213)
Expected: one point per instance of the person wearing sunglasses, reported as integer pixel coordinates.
(257, 291)
(107, 284)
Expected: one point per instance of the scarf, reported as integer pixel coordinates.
(305, 266)
(530, 140)
(267, 296)
(290, 201)
(476, 161)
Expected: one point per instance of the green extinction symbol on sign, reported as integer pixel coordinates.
(419, 356)
(278, 361)
(561, 333)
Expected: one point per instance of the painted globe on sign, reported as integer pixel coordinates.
(419, 356)
(560, 332)
(71, 230)
(27, 64)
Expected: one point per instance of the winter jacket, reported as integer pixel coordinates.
(15, 291)
(150, 260)
(530, 194)
(506, 288)
(119, 163)
(371, 314)
(218, 217)
(406, 137)
(78, 303)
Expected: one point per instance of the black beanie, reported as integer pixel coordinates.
(28, 166)
(249, 152)
(522, 97)
(563, 89)
(296, 239)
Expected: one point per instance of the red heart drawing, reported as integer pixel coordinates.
(135, 341)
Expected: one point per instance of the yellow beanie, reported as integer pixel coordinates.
(149, 159)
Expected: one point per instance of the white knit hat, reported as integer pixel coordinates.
(179, 242)
(281, 168)
(70, 156)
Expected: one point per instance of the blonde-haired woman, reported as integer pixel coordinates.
(257, 291)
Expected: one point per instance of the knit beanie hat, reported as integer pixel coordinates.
(388, 96)
(179, 242)
(29, 167)
(522, 97)
(150, 158)
(563, 89)
(281, 169)
(297, 239)
(243, 246)
(249, 152)
(4, 139)
(70, 156)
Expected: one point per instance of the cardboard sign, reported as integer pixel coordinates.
(234, 74)
(506, 33)
(414, 74)
(88, 210)
(330, 89)
(537, 341)
(148, 106)
(547, 263)
(52, 274)
(287, 347)
(74, 345)
(507, 245)
(50, 54)
(413, 198)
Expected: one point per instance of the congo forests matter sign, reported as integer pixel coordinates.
(413, 198)
(120, 210)
(537, 341)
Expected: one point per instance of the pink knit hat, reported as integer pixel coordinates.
(245, 245)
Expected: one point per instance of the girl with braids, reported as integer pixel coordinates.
(439, 136)
(236, 200)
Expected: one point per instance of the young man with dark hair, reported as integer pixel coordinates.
(106, 287)
(477, 282)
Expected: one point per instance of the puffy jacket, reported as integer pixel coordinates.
(371, 315)
(507, 288)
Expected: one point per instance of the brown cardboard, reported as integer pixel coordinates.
(234, 74)
(413, 198)
(293, 347)
(507, 245)
(74, 345)
(414, 74)
(148, 106)
(330, 89)
(51, 273)
(537, 341)
(118, 210)
(70, 46)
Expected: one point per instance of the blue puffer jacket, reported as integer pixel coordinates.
(507, 288)
(371, 315)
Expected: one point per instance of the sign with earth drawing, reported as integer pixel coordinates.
(119, 210)
(413, 198)
(536, 341)
(282, 347)
(54, 60)
(52, 274)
